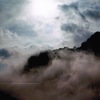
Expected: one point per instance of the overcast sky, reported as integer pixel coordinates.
(47, 23)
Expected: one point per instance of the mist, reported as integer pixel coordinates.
(69, 76)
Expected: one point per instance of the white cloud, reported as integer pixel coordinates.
(47, 31)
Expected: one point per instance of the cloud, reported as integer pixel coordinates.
(73, 7)
(79, 20)
(18, 18)
(10, 10)
(22, 28)
(91, 9)
(13, 40)
(94, 14)
(11, 18)
(85, 9)
(79, 33)
(74, 76)
(9, 39)
(4, 53)
(23, 31)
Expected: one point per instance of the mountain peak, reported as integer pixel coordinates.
(92, 43)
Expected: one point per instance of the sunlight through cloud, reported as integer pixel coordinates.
(44, 8)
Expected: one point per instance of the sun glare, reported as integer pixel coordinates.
(42, 8)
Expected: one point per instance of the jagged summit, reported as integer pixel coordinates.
(92, 44)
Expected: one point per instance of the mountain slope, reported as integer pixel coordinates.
(44, 58)
(92, 44)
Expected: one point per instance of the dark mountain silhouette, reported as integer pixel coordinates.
(37, 61)
(44, 58)
(92, 44)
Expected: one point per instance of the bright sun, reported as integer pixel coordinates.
(42, 8)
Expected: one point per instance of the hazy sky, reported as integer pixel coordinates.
(47, 23)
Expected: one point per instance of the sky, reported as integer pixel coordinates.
(47, 24)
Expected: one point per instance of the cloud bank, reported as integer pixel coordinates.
(70, 75)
